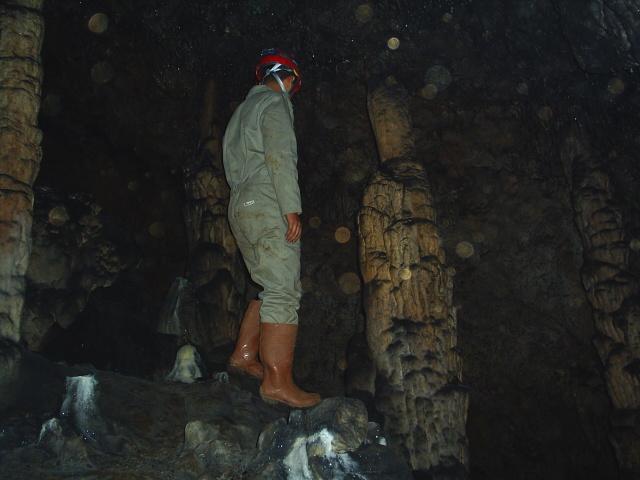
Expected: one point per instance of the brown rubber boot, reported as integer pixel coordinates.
(277, 344)
(244, 360)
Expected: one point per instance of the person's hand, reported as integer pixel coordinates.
(294, 232)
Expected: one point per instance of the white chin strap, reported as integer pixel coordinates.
(272, 71)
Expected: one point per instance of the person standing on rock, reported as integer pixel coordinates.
(260, 162)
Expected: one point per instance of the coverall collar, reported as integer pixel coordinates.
(257, 89)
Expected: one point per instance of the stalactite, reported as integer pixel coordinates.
(612, 289)
(21, 35)
(213, 266)
(411, 322)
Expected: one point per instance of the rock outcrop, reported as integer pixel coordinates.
(71, 257)
(411, 322)
(611, 286)
(21, 35)
(88, 423)
(215, 272)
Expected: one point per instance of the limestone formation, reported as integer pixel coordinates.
(215, 273)
(71, 256)
(611, 287)
(411, 322)
(332, 441)
(21, 35)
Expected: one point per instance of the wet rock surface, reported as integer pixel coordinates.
(86, 423)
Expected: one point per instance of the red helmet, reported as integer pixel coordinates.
(275, 60)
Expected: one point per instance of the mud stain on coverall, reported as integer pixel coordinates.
(260, 162)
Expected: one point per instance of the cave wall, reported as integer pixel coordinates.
(411, 321)
(609, 281)
(487, 81)
(21, 36)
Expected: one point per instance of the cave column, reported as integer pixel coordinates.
(411, 322)
(611, 288)
(21, 35)
(213, 270)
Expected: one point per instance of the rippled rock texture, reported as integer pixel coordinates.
(411, 321)
(21, 36)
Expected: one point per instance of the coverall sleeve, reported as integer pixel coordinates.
(281, 155)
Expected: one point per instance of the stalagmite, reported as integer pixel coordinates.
(411, 322)
(21, 34)
(214, 270)
(611, 288)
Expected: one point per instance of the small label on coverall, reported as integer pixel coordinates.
(250, 202)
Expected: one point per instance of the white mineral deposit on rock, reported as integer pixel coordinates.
(297, 461)
(393, 43)
(342, 235)
(58, 216)
(616, 86)
(50, 426)
(79, 403)
(187, 367)
(465, 249)
(98, 23)
(364, 13)
(439, 76)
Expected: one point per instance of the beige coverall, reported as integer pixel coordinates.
(260, 162)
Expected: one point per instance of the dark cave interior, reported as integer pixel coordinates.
(525, 120)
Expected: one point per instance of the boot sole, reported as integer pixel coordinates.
(240, 371)
(274, 402)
